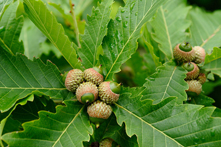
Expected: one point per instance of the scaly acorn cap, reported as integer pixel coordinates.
(202, 78)
(98, 112)
(87, 92)
(94, 75)
(107, 142)
(74, 78)
(109, 92)
(184, 52)
(193, 70)
(194, 86)
(200, 54)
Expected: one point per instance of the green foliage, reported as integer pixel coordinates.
(205, 30)
(123, 32)
(69, 126)
(167, 81)
(48, 24)
(169, 29)
(95, 30)
(10, 29)
(133, 40)
(213, 62)
(21, 77)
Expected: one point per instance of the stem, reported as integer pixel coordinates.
(75, 24)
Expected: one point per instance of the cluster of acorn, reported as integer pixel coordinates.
(189, 57)
(89, 87)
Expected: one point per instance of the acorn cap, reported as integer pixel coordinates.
(200, 54)
(202, 78)
(183, 54)
(93, 75)
(193, 70)
(73, 79)
(106, 94)
(107, 142)
(87, 92)
(194, 86)
(99, 111)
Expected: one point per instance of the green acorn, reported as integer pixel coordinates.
(98, 112)
(200, 54)
(194, 86)
(107, 142)
(87, 92)
(193, 70)
(73, 79)
(94, 75)
(202, 78)
(184, 52)
(109, 92)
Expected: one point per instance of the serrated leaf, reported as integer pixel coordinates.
(68, 127)
(21, 77)
(167, 81)
(9, 34)
(121, 40)
(213, 62)
(201, 100)
(3, 5)
(205, 29)
(169, 27)
(167, 124)
(47, 23)
(94, 32)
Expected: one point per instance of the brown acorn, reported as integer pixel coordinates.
(202, 78)
(73, 79)
(94, 75)
(184, 52)
(109, 92)
(98, 112)
(107, 142)
(200, 54)
(194, 86)
(193, 70)
(87, 92)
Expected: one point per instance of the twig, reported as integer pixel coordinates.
(75, 23)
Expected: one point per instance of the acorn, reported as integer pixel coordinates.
(107, 142)
(109, 92)
(193, 70)
(73, 79)
(202, 78)
(98, 112)
(87, 93)
(200, 54)
(184, 52)
(94, 75)
(194, 86)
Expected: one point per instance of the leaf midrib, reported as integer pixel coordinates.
(127, 41)
(147, 124)
(68, 126)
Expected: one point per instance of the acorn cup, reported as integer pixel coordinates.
(109, 92)
(87, 93)
(107, 142)
(184, 52)
(200, 54)
(99, 112)
(194, 86)
(73, 79)
(193, 70)
(94, 75)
